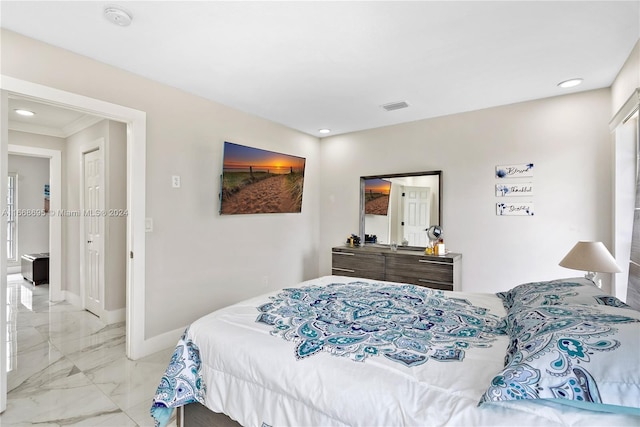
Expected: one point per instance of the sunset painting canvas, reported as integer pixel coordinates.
(260, 181)
(376, 196)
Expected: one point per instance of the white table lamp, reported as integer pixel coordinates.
(592, 257)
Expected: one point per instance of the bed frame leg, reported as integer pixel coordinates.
(180, 416)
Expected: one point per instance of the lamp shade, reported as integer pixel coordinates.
(590, 256)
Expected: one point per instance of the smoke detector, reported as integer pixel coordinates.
(118, 16)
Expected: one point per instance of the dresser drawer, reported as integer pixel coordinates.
(420, 282)
(356, 264)
(433, 272)
(404, 266)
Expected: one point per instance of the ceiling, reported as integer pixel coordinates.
(333, 64)
(48, 119)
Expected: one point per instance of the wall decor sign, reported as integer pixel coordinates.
(514, 171)
(514, 209)
(260, 181)
(511, 190)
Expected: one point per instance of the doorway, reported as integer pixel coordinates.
(135, 241)
(55, 223)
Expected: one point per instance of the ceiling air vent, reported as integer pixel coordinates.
(395, 106)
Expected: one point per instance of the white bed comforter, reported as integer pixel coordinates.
(255, 378)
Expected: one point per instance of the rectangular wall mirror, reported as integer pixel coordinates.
(400, 207)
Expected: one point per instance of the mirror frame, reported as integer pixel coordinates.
(396, 175)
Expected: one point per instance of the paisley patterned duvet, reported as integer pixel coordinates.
(345, 351)
(404, 323)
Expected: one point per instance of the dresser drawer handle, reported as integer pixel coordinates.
(437, 282)
(343, 253)
(343, 269)
(434, 262)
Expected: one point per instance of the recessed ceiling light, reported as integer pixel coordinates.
(324, 131)
(23, 112)
(117, 15)
(570, 83)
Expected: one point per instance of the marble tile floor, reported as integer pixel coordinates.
(67, 368)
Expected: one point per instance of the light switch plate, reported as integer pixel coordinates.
(148, 224)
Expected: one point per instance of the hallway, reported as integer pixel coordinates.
(67, 368)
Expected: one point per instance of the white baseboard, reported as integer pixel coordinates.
(114, 316)
(14, 269)
(149, 346)
(72, 299)
(161, 342)
(107, 316)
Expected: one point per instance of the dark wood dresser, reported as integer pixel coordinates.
(405, 266)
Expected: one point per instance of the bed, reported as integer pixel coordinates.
(343, 351)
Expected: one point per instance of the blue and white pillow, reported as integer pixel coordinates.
(579, 355)
(578, 290)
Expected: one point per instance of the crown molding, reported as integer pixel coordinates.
(66, 131)
(630, 107)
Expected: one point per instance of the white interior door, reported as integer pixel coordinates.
(416, 212)
(93, 216)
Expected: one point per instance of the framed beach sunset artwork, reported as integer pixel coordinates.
(376, 196)
(260, 181)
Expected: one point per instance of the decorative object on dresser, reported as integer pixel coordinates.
(35, 268)
(434, 234)
(404, 266)
(592, 257)
(353, 240)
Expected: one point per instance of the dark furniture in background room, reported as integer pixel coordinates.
(35, 268)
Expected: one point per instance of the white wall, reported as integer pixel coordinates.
(116, 224)
(567, 139)
(196, 260)
(33, 230)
